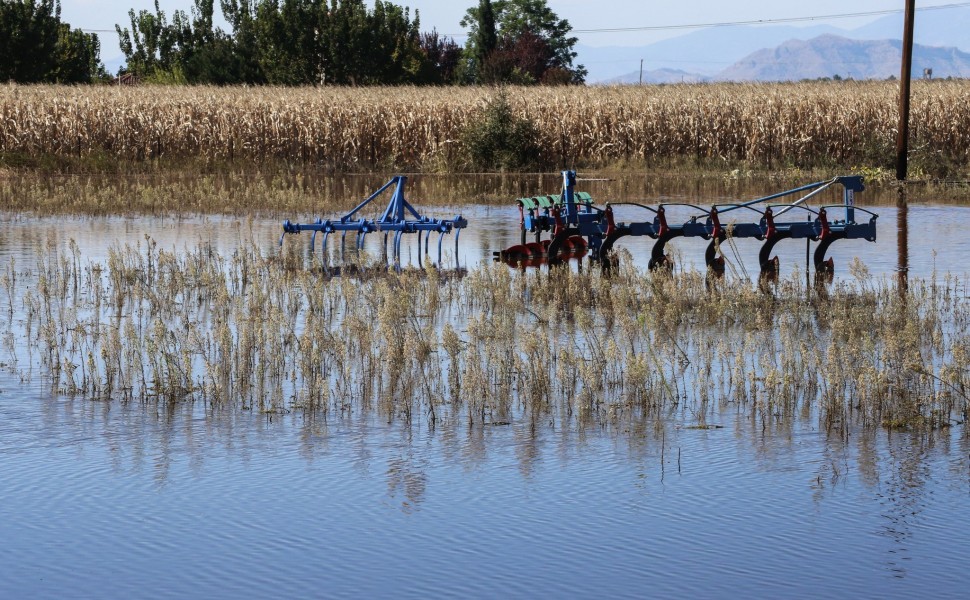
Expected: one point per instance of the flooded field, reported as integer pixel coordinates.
(186, 409)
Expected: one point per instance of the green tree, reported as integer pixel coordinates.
(189, 49)
(533, 43)
(289, 36)
(347, 43)
(28, 36)
(149, 47)
(203, 54)
(396, 44)
(284, 42)
(36, 47)
(241, 15)
(77, 57)
(362, 47)
(483, 37)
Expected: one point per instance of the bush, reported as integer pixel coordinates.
(499, 140)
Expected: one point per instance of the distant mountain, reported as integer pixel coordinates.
(657, 76)
(830, 55)
(712, 50)
(704, 52)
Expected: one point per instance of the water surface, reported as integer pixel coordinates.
(115, 501)
(934, 240)
(148, 499)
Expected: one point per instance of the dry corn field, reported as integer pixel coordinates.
(258, 331)
(845, 124)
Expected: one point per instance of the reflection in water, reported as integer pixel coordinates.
(902, 499)
(902, 239)
(407, 474)
(781, 495)
(313, 193)
(527, 450)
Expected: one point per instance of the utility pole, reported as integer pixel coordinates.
(641, 71)
(902, 135)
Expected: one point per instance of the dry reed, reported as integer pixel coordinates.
(266, 332)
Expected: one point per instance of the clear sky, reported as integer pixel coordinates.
(444, 15)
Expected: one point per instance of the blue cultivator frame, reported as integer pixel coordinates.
(579, 224)
(393, 220)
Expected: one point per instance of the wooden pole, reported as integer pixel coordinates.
(902, 135)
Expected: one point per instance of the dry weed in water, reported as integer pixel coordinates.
(263, 332)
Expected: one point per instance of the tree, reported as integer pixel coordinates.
(36, 47)
(483, 37)
(442, 57)
(522, 60)
(289, 40)
(189, 49)
(395, 44)
(284, 42)
(150, 44)
(28, 36)
(532, 41)
(241, 15)
(203, 54)
(518, 17)
(364, 47)
(77, 57)
(347, 43)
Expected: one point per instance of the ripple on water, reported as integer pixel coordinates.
(109, 500)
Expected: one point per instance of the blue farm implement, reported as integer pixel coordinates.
(576, 226)
(395, 219)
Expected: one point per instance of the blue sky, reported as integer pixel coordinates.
(444, 15)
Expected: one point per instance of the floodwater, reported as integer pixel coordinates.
(920, 240)
(111, 500)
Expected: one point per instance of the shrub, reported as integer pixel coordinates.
(501, 140)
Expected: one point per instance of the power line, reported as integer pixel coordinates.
(656, 59)
(873, 13)
(772, 61)
(789, 64)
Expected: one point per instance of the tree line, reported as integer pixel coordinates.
(296, 42)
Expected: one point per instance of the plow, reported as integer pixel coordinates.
(575, 226)
(556, 228)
